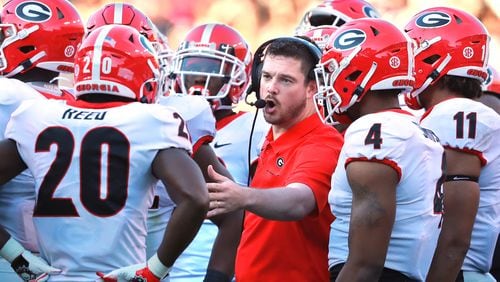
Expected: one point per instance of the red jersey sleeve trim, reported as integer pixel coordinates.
(203, 140)
(390, 163)
(478, 154)
(225, 121)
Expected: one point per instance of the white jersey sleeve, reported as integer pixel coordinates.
(200, 122)
(12, 94)
(92, 170)
(395, 139)
(17, 196)
(196, 112)
(469, 126)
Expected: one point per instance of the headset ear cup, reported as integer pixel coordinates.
(256, 78)
(257, 69)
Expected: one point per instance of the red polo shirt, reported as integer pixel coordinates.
(273, 250)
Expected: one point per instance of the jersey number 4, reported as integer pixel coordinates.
(374, 136)
(91, 153)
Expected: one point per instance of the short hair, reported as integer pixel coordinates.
(297, 50)
(464, 86)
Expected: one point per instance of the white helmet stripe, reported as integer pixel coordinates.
(118, 16)
(96, 59)
(207, 33)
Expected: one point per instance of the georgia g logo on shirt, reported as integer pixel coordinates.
(433, 19)
(349, 39)
(32, 11)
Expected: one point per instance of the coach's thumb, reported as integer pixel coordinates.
(214, 175)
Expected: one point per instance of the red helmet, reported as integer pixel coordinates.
(117, 60)
(492, 83)
(362, 55)
(447, 41)
(165, 54)
(213, 60)
(336, 13)
(29, 31)
(320, 34)
(124, 14)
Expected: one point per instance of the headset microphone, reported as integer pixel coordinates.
(259, 104)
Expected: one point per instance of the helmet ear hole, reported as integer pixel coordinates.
(431, 59)
(60, 14)
(354, 75)
(27, 49)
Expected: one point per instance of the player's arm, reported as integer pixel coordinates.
(222, 259)
(373, 211)
(11, 163)
(461, 201)
(186, 187)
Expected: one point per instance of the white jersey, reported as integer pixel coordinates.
(232, 141)
(200, 122)
(231, 146)
(393, 138)
(17, 197)
(92, 170)
(472, 127)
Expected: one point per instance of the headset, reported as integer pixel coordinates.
(258, 61)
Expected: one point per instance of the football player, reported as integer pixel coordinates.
(386, 190)
(491, 98)
(29, 61)
(491, 90)
(199, 121)
(335, 13)
(214, 61)
(451, 56)
(101, 144)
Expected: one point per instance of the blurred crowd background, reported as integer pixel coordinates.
(260, 20)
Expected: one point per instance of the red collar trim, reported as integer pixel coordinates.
(226, 120)
(88, 105)
(401, 111)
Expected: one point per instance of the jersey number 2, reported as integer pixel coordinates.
(103, 143)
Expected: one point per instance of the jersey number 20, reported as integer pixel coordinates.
(91, 154)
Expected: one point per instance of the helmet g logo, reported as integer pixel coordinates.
(33, 12)
(349, 39)
(433, 19)
(370, 12)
